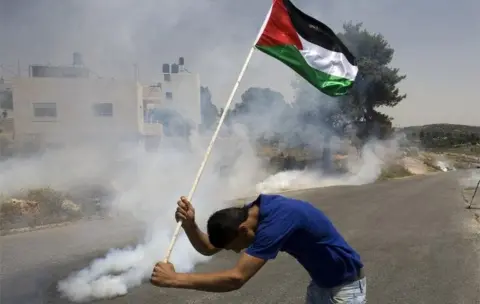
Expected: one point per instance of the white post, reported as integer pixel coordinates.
(215, 134)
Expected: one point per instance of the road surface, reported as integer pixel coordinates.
(419, 244)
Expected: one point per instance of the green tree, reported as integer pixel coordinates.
(376, 86)
(209, 111)
(376, 83)
(258, 101)
(260, 111)
(319, 118)
(474, 138)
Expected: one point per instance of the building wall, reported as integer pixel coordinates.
(182, 93)
(77, 111)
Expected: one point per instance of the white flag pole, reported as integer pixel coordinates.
(215, 134)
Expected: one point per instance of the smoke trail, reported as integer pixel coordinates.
(444, 163)
(362, 169)
(122, 269)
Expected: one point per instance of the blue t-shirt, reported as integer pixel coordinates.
(303, 231)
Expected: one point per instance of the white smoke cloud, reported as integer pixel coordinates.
(363, 168)
(122, 269)
(444, 163)
(149, 193)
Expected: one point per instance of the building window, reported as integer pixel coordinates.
(166, 77)
(45, 109)
(169, 95)
(103, 109)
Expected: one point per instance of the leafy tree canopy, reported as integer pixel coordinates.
(209, 111)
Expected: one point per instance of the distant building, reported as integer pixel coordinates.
(174, 100)
(58, 105)
(181, 91)
(62, 110)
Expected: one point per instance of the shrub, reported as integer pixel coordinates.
(393, 171)
(50, 201)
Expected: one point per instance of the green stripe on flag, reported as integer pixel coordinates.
(291, 56)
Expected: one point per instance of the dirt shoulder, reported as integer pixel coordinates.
(43, 208)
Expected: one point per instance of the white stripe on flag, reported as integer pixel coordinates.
(332, 63)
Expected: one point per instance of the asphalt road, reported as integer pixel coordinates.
(419, 244)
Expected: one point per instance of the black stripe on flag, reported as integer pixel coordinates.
(316, 32)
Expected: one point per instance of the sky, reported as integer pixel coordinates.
(436, 44)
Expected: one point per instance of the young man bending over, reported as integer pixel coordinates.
(268, 225)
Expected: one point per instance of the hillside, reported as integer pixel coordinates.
(463, 139)
(442, 128)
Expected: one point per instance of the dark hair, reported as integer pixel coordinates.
(222, 226)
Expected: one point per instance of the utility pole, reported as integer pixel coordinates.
(135, 71)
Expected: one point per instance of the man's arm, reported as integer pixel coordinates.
(200, 240)
(186, 213)
(222, 281)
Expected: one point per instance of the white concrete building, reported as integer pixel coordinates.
(181, 92)
(60, 105)
(73, 110)
(178, 90)
(173, 100)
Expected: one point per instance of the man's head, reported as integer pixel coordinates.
(232, 228)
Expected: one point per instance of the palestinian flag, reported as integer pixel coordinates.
(309, 47)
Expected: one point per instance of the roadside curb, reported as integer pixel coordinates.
(42, 227)
(30, 229)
